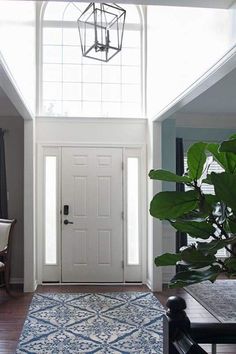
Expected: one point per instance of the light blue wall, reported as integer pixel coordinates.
(168, 150)
(190, 135)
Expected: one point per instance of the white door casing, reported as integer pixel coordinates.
(92, 247)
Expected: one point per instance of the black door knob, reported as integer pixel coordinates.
(66, 222)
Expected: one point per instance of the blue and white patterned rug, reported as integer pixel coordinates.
(218, 298)
(104, 323)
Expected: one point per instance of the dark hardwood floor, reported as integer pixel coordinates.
(13, 311)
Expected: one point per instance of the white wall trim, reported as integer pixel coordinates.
(75, 144)
(223, 67)
(86, 120)
(29, 207)
(148, 283)
(12, 90)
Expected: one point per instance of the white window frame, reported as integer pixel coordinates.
(141, 27)
(133, 272)
(48, 272)
(222, 253)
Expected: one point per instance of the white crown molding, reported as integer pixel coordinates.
(9, 86)
(223, 67)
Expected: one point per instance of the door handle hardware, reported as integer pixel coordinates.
(66, 222)
(66, 210)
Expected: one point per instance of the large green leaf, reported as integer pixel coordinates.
(230, 263)
(164, 175)
(195, 258)
(228, 146)
(209, 203)
(213, 148)
(171, 205)
(189, 277)
(194, 228)
(227, 160)
(196, 160)
(232, 225)
(211, 199)
(213, 246)
(225, 188)
(167, 259)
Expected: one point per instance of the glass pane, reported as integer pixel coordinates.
(72, 12)
(130, 74)
(71, 36)
(72, 73)
(71, 91)
(50, 210)
(92, 92)
(92, 109)
(54, 11)
(132, 211)
(131, 39)
(51, 91)
(52, 54)
(52, 108)
(52, 35)
(131, 93)
(72, 55)
(71, 108)
(111, 74)
(130, 56)
(92, 73)
(111, 109)
(52, 72)
(111, 92)
(132, 14)
(131, 109)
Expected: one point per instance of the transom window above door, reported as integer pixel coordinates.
(72, 85)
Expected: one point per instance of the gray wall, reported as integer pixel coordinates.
(190, 135)
(14, 149)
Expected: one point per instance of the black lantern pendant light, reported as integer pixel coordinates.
(101, 28)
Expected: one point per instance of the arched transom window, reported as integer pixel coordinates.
(72, 85)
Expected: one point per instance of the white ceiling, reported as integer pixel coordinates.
(224, 4)
(218, 99)
(6, 107)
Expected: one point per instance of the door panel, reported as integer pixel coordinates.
(92, 246)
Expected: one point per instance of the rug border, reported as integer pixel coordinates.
(203, 303)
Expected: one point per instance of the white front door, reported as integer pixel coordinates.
(92, 232)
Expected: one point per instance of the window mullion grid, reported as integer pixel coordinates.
(68, 24)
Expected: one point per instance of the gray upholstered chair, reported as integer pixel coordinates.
(6, 229)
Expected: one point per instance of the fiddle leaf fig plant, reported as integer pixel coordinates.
(208, 218)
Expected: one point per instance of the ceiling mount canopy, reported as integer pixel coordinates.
(101, 28)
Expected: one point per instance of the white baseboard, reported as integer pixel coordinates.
(148, 283)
